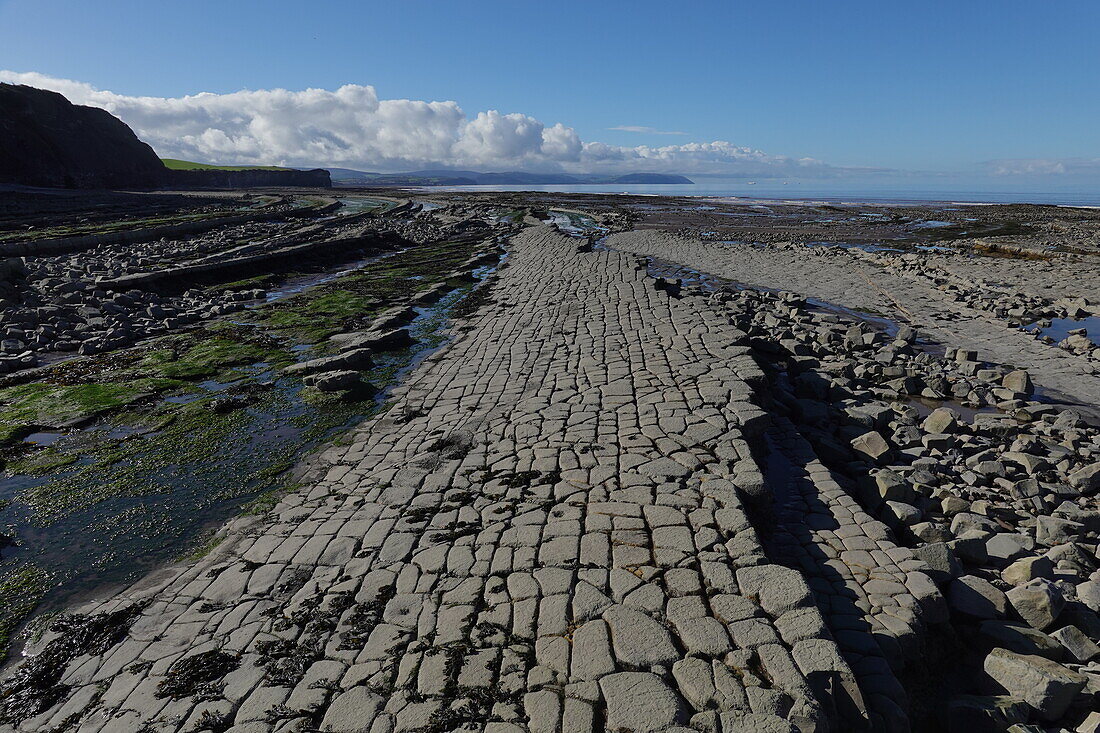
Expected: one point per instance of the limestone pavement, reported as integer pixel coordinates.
(546, 532)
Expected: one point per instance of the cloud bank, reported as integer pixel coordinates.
(1063, 167)
(352, 128)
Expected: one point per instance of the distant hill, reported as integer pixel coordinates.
(174, 164)
(445, 177)
(652, 178)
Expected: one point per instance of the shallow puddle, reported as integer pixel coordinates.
(44, 438)
(301, 283)
(855, 245)
(1059, 328)
(925, 406)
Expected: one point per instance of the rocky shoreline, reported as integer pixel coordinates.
(654, 481)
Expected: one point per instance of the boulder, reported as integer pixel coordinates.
(941, 560)
(898, 512)
(1080, 647)
(969, 547)
(1038, 603)
(973, 713)
(1020, 639)
(976, 598)
(1027, 569)
(1089, 594)
(872, 445)
(1091, 724)
(381, 340)
(892, 487)
(1030, 463)
(355, 359)
(941, 420)
(1045, 685)
(1018, 381)
(336, 381)
(1052, 531)
(1008, 546)
(1086, 479)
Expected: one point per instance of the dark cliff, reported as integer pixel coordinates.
(46, 140)
(317, 178)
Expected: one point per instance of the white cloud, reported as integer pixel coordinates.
(1044, 167)
(351, 127)
(645, 130)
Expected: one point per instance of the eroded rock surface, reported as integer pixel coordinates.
(618, 502)
(552, 534)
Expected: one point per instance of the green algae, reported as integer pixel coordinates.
(190, 358)
(203, 549)
(354, 300)
(24, 407)
(22, 586)
(42, 462)
(131, 468)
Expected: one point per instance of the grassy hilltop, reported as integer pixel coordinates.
(187, 165)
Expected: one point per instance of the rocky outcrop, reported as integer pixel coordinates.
(255, 178)
(45, 140)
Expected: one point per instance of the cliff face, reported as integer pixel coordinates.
(317, 178)
(45, 140)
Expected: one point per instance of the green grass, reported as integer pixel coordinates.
(175, 164)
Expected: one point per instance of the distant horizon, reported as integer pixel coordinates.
(944, 182)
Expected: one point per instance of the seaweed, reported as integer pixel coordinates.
(35, 685)
(195, 675)
(365, 617)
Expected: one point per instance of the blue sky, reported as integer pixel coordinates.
(933, 86)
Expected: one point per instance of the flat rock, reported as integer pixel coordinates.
(353, 710)
(641, 702)
(637, 639)
(777, 589)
